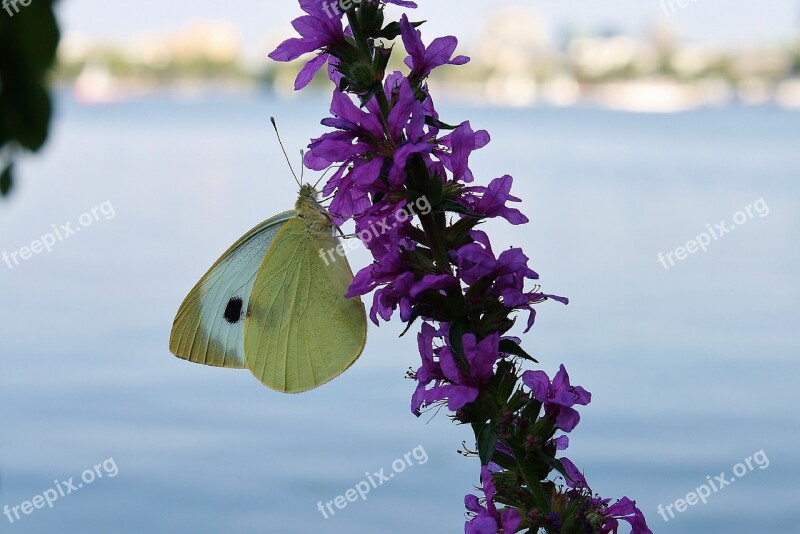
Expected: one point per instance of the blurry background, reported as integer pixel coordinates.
(629, 127)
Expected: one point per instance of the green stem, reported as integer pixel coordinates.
(355, 25)
(386, 109)
(436, 242)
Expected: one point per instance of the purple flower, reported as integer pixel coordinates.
(461, 143)
(390, 297)
(400, 286)
(440, 283)
(369, 161)
(625, 510)
(423, 60)
(392, 273)
(461, 388)
(384, 228)
(610, 516)
(477, 260)
(561, 443)
(491, 201)
(430, 370)
(506, 274)
(402, 3)
(576, 479)
(487, 519)
(407, 128)
(558, 397)
(318, 31)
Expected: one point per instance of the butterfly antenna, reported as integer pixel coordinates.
(324, 174)
(303, 166)
(285, 155)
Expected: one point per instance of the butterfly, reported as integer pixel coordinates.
(274, 303)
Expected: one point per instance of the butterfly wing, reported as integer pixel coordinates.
(300, 330)
(209, 326)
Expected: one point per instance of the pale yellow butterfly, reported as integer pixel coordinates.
(274, 303)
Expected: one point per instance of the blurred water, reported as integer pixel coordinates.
(693, 369)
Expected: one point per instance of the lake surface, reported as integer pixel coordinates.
(693, 368)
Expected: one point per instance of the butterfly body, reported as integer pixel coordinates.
(275, 305)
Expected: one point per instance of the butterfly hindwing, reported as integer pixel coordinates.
(300, 330)
(209, 326)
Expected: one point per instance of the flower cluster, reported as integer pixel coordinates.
(601, 516)
(389, 147)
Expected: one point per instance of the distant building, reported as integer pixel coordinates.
(202, 40)
(515, 50)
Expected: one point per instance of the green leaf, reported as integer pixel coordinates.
(558, 466)
(504, 460)
(380, 61)
(28, 43)
(366, 97)
(555, 463)
(457, 331)
(457, 235)
(452, 206)
(430, 188)
(436, 123)
(392, 30)
(512, 347)
(411, 321)
(487, 440)
(6, 180)
(505, 382)
(533, 483)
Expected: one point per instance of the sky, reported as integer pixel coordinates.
(712, 21)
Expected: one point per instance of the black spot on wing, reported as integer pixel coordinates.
(233, 311)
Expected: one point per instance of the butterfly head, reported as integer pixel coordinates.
(308, 191)
(308, 206)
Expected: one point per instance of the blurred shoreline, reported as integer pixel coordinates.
(517, 63)
(633, 96)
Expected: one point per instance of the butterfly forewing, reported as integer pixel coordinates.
(300, 330)
(209, 326)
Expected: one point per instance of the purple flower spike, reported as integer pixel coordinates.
(403, 177)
